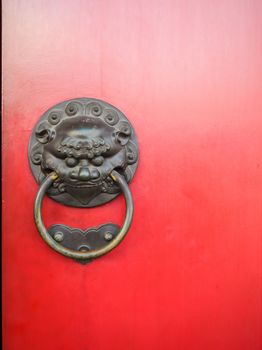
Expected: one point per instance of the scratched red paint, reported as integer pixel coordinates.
(188, 76)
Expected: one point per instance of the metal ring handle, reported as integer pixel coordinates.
(72, 253)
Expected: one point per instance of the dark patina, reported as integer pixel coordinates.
(83, 141)
(83, 152)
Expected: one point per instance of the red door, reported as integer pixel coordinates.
(187, 74)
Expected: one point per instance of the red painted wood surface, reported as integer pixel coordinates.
(188, 76)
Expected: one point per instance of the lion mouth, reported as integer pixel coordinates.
(88, 184)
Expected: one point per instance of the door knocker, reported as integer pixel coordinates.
(83, 153)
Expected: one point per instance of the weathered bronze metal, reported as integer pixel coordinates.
(89, 249)
(83, 152)
(83, 141)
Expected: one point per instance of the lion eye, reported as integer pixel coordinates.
(98, 160)
(71, 162)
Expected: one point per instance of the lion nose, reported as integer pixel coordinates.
(84, 174)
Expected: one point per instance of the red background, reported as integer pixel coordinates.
(188, 76)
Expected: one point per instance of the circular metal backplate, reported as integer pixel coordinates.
(83, 140)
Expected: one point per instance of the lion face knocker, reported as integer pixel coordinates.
(83, 141)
